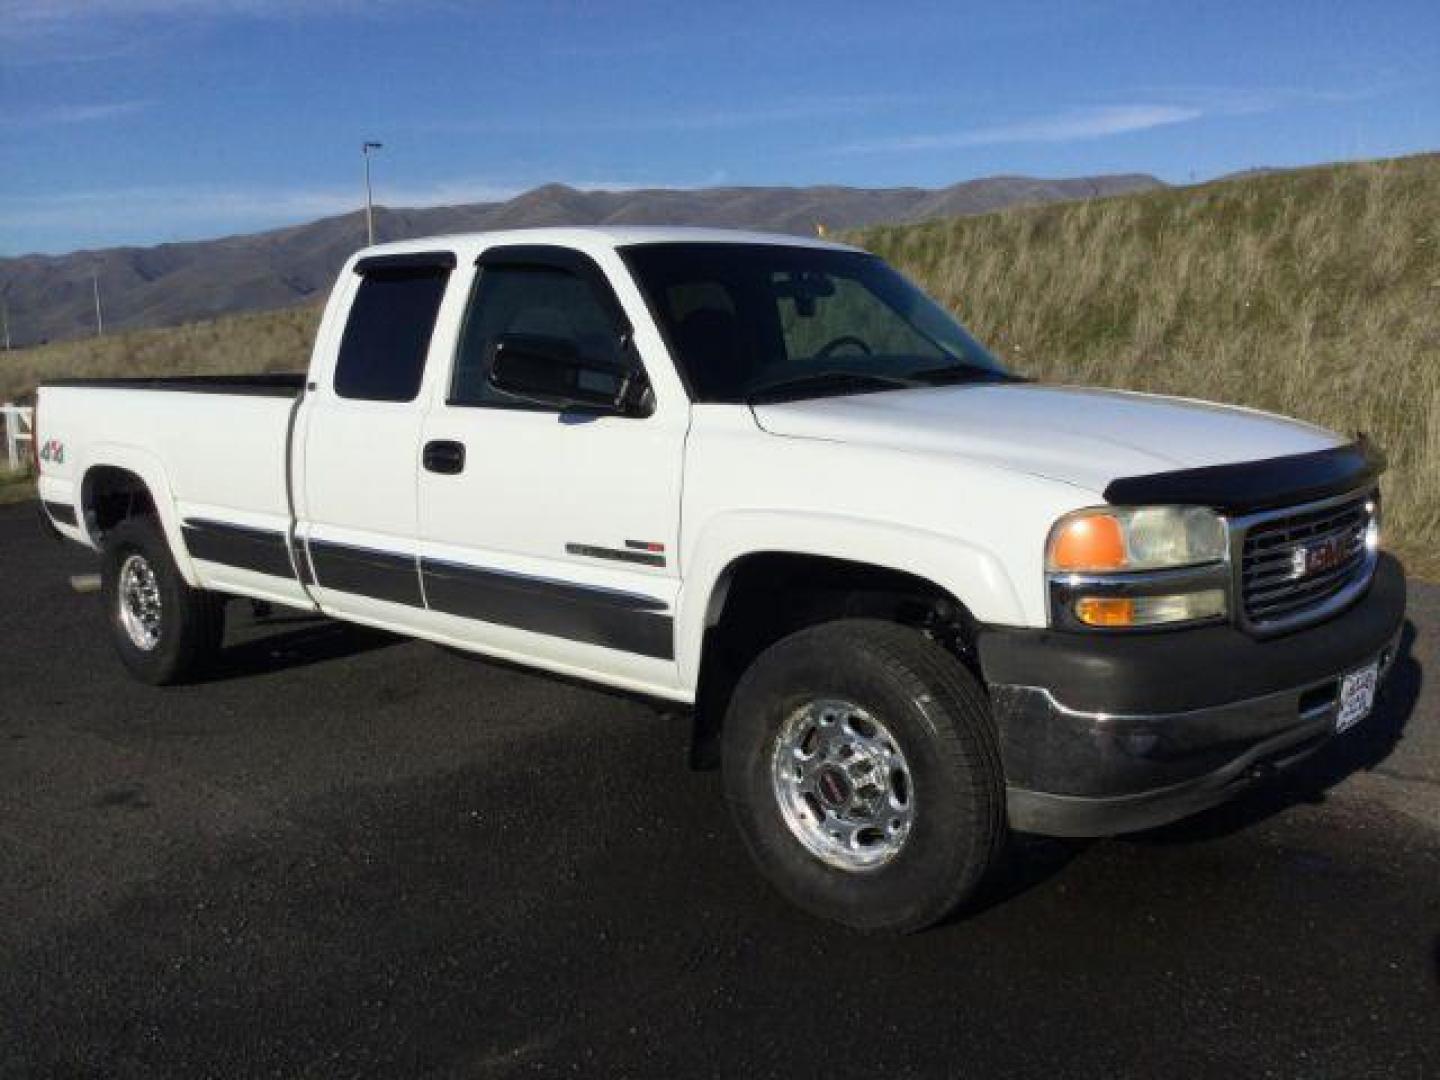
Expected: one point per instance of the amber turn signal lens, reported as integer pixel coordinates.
(1150, 610)
(1105, 611)
(1095, 542)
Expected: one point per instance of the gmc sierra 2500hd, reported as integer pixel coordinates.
(916, 601)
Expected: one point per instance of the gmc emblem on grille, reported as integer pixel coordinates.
(1316, 558)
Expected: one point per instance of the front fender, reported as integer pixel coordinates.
(974, 576)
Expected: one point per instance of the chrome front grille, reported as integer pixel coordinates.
(1300, 565)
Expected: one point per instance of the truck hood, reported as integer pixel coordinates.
(1079, 436)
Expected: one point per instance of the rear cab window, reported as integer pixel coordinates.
(389, 326)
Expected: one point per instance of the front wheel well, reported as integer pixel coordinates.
(764, 597)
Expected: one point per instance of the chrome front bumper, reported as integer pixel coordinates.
(1104, 737)
(1231, 746)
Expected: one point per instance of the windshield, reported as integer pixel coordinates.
(769, 322)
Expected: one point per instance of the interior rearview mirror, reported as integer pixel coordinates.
(805, 289)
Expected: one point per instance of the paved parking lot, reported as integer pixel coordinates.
(354, 855)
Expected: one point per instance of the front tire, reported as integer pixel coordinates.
(862, 769)
(163, 630)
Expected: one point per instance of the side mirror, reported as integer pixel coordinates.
(551, 371)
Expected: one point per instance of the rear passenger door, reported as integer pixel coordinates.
(360, 433)
(556, 538)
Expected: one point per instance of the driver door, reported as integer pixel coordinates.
(546, 534)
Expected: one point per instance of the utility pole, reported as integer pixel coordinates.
(365, 149)
(99, 317)
(5, 318)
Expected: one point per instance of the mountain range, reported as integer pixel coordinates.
(51, 297)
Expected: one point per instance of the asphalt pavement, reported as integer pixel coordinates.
(353, 855)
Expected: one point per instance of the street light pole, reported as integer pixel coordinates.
(99, 317)
(365, 149)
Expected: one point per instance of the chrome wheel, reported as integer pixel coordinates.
(843, 785)
(138, 599)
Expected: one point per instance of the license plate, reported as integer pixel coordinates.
(1357, 696)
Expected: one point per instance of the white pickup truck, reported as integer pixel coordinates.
(915, 602)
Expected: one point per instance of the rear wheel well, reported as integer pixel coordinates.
(762, 598)
(110, 495)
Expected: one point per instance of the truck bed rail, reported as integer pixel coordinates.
(279, 384)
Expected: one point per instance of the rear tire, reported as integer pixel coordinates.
(862, 769)
(163, 630)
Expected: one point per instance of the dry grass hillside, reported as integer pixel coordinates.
(14, 486)
(50, 297)
(1313, 293)
(259, 342)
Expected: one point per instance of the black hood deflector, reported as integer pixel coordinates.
(1250, 486)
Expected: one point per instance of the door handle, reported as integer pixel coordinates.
(444, 456)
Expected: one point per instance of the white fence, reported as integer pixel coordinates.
(18, 429)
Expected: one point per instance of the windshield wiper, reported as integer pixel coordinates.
(821, 382)
(961, 372)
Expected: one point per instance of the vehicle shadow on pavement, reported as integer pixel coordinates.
(1359, 750)
(1031, 861)
(280, 642)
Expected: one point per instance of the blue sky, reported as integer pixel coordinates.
(142, 121)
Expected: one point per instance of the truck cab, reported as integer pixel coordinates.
(915, 601)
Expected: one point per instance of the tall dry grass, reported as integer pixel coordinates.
(15, 486)
(1315, 294)
(258, 342)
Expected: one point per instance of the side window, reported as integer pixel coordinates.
(382, 353)
(540, 300)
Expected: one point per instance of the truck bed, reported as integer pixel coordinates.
(214, 446)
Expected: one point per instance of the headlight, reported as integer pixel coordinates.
(1144, 538)
(1132, 567)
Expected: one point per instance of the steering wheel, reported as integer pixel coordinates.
(836, 343)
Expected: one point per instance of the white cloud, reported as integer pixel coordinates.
(1239, 101)
(49, 31)
(1185, 104)
(688, 119)
(778, 113)
(1071, 125)
(21, 14)
(158, 214)
(162, 206)
(52, 115)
